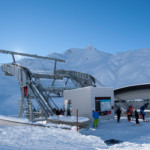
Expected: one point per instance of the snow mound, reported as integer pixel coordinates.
(33, 138)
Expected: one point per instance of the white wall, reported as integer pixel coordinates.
(83, 99)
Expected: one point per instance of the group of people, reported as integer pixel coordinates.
(58, 111)
(61, 111)
(131, 113)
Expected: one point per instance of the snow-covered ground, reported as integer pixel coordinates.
(41, 138)
(30, 138)
(132, 136)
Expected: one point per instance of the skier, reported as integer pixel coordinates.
(118, 112)
(142, 113)
(128, 112)
(131, 108)
(136, 114)
(96, 118)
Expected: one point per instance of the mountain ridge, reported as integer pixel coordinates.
(111, 69)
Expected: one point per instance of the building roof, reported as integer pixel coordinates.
(132, 88)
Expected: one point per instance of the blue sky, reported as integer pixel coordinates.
(45, 26)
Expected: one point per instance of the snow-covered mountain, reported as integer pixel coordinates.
(113, 70)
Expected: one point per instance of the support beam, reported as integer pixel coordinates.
(30, 112)
(55, 66)
(30, 55)
(13, 58)
(22, 101)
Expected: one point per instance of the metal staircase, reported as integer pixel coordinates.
(121, 103)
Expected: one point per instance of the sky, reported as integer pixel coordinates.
(45, 26)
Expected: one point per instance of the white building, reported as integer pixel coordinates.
(88, 99)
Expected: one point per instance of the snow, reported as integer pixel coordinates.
(132, 136)
(31, 138)
(68, 118)
(147, 110)
(46, 139)
(22, 120)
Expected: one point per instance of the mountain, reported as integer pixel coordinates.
(113, 70)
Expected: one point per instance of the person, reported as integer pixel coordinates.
(118, 112)
(68, 108)
(54, 110)
(61, 111)
(136, 114)
(142, 113)
(128, 112)
(96, 118)
(57, 112)
(131, 108)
